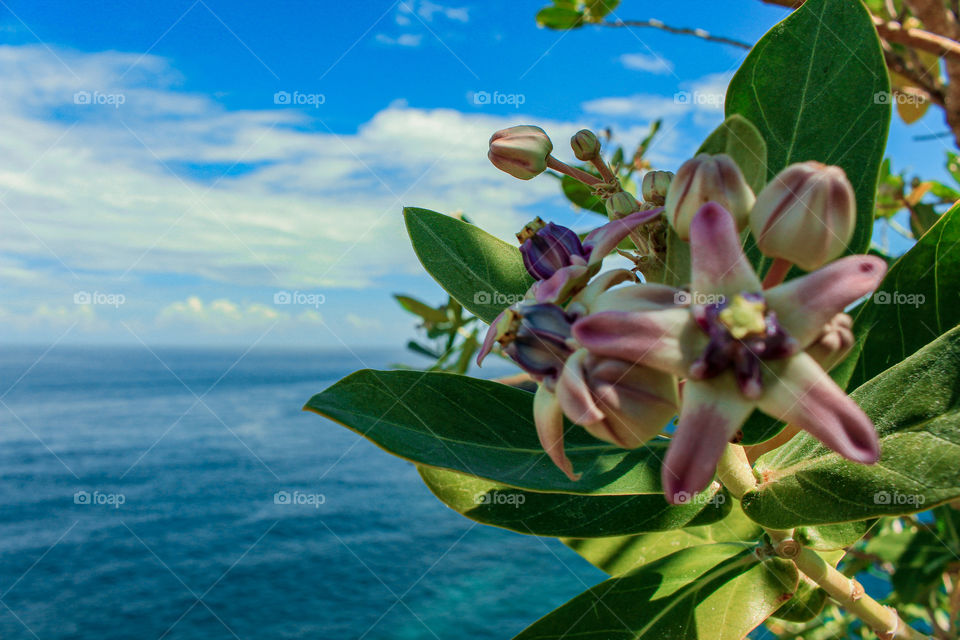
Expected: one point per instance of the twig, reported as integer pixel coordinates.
(656, 24)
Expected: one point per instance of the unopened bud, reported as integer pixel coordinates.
(655, 186)
(585, 145)
(546, 248)
(704, 179)
(805, 215)
(521, 151)
(620, 205)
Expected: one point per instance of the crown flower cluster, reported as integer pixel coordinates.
(631, 360)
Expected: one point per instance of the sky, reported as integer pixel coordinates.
(171, 173)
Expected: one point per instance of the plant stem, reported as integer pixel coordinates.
(736, 474)
(573, 172)
(884, 621)
(604, 170)
(776, 274)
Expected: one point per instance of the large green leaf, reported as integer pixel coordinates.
(710, 592)
(811, 87)
(917, 301)
(482, 428)
(622, 553)
(483, 273)
(566, 514)
(916, 408)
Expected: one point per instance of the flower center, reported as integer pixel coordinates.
(743, 333)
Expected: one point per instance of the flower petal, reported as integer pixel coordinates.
(713, 410)
(638, 402)
(599, 285)
(549, 420)
(602, 240)
(717, 263)
(645, 296)
(799, 392)
(666, 339)
(574, 395)
(805, 304)
(558, 287)
(490, 338)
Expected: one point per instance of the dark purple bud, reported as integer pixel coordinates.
(548, 248)
(536, 336)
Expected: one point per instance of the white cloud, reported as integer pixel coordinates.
(429, 10)
(649, 63)
(363, 322)
(223, 316)
(403, 40)
(636, 106)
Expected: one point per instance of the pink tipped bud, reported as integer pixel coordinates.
(805, 215)
(585, 145)
(655, 186)
(521, 151)
(704, 179)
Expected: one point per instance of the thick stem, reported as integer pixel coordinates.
(777, 273)
(734, 471)
(573, 172)
(884, 621)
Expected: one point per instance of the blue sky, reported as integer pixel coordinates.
(154, 190)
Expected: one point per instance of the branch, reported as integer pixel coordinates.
(916, 38)
(656, 24)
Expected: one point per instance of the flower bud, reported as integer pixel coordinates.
(620, 205)
(655, 186)
(704, 179)
(521, 151)
(585, 145)
(549, 247)
(805, 215)
(536, 337)
(834, 342)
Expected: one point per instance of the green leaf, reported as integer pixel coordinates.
(810, 85)
(483, 273)
(482, 428)
(581, 195)
(622, 553)
(421, 309)
(829, 537)
(916, 408)
(919, 568)
(709, 592)
(740, 140)
(564, 514)
(918, 300)
(559, 18)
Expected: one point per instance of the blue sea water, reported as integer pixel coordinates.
(137, 492)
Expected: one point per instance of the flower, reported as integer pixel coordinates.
(835, 341)
(521, 151)
(805, 215)
(741, 348)
(562, 263)
(706, 178)
(616, 401)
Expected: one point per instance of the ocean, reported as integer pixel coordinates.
(139, 494)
